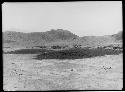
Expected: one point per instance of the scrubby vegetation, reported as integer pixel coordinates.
(113, 47)
(78, 53)
(40, 47)
(77, 46)
(56, 47)
(72, 53)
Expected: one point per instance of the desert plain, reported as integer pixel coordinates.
(22, 72)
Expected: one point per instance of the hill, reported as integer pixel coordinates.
(57, 37)
(118, 36)
(36, 38)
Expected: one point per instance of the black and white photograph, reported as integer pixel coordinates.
(49, 46)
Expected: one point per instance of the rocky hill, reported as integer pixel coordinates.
(118, 36)
(57, 37)
(36, 38)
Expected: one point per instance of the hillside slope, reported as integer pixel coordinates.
(57, 37)
(36, 38)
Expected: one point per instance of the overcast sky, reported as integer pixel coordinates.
(81, 18)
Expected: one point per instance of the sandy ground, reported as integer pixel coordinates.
(22, 72)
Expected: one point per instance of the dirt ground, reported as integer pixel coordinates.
(22, 72)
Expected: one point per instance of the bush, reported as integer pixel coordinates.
(78, 53)
(56, 47)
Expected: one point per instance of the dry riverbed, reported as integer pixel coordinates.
(22, 72)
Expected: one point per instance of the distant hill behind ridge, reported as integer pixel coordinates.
(118, 36)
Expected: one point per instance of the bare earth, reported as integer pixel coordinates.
(22, 72)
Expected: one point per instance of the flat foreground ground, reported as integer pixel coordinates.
(22, 72)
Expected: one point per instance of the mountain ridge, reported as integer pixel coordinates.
(58, 36)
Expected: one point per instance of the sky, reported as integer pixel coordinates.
(83, 18)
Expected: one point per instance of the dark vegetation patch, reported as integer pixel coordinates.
(72, 53)
(78, 53)
(56, 47)
(112, 47)
(41, 47)
(77, 46)
(52, 47)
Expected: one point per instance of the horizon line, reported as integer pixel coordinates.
(58, 29)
